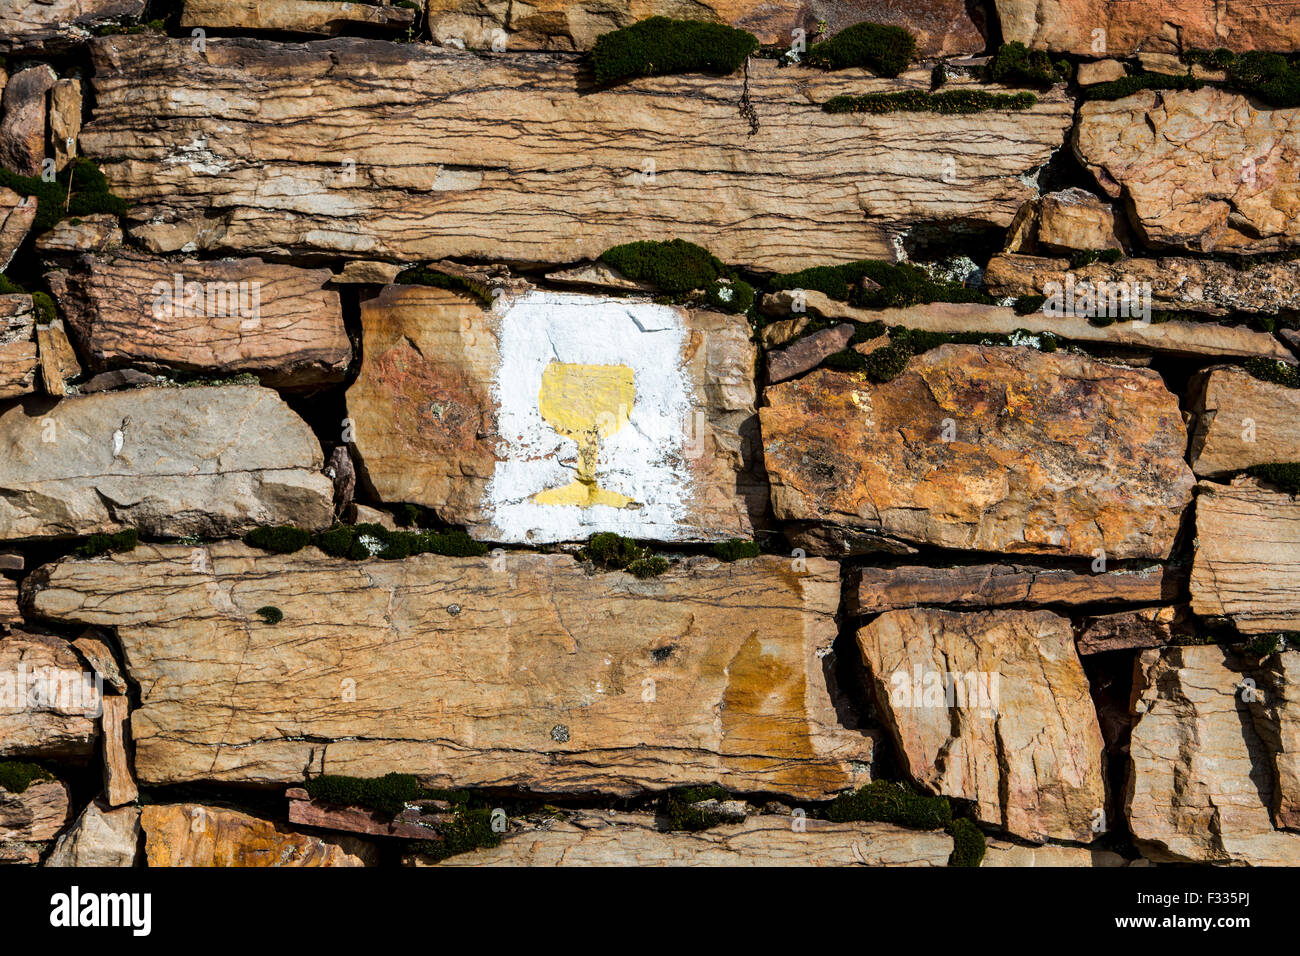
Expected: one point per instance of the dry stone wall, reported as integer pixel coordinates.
(486, 434)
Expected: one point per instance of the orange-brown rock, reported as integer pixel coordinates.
(9, 613)
(17, 213)
(324, 17)
(191, 834)
(984, 448)
(51, 26)
(30, 818)
(516, 669)
(1241, 421)
(992, 707)
(279, 322)
(18, 358)
(1075, 219)
(1147, 627)
(23, 120)
(57, 359)
(119, 782)
(49, 702)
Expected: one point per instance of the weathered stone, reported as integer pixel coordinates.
(282, 323)
(1075, 219)
(65, 120)
(22, 123)
(118, 378)
(119, 783)
(209, 461)
(992, 707)
(58, 361)
(363, 272)
(48, 702)
(17, 213)
(53, 26)
(1067, 26)
(443, 154)
(97, 233)
(411, 824)
(1207, 286)
(1200, 779)
(99, 837)
(9, 613)
(17, 346)
(1202, 170)
(999, 853)
(600, 276)
(595, 838)
(101, 659)
(782, 331)
(710, 672)
(941, 27)
(1166, 63)
(1241, 421)
(1103, 71)
(872, 589)
(324, 17)
(1247, 557)
(190, 834)
(807, 353)
(1276, 712)
(1148, 627)
(985, 448)
(11, 561)
(457, 408)
(36, 814)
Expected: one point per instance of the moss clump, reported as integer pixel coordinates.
(90, 193)
(1128, 85)
(1219, 59)
(651, 566)
(414, 516)
(270, 614)
(441, 280)
(282, 539)
(889, 285)
(889, 361)
(1268, 370)
(938, 76)
(17, 775)
(388, 794)
(736, 296)
(44, 307)
(1088, 256)
(1264, 644)
(613, 552)
(1271, 77)
(679, 807)
(1016, 65)
(1284, 475)
(884, 50)
(734, 549)
(362, 541)
(920, 101)
(675, 266)
(968, 844)
(661, 46)
(468, 829)
(1029, 304)
(884, 802)
(9, 287)
(118, 541)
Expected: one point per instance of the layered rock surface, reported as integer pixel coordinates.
(1242, 421)
(189, 834)
(30, 26)
(48, 701)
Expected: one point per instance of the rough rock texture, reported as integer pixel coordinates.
(101, 659)
(807, 352)
(1075, 219)
(941, 27)
(591, 838)
(436, 373)
(119, 784)
(17, 346)
(17, 213)
(1241, 421)
(1204, 171)
(48, 702)
(30, 819)
(1148, 627)
(22, 124)
(31, 26)
(872, 589)
(382, 150)
(999, 853)
(293, 16)
(1020, 738)
(189, 834)
(96, 233)
(411, 823)
(1048, 453)
(281, 323)
(1066, 26)
(168, 461)
(99, 837)
(9, 613)
(721, 678)
(1200, 780)
(1247, 557)
(65, 108)
(56, 357)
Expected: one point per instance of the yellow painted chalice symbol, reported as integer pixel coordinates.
(585, 403)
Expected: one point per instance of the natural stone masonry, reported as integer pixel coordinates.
(17, 346)
(513, 670)
(466, 410)
(189, 834)
(1019, 736)
(1247, 557)
(30, 819)
(30, 26)
(1203, 171)
(368, 149)
(168, 461)
(1277, 720)
(48, 701)
(279, 322)
(99, 837)
(975, 447)
(1241, 421)
(326, 17)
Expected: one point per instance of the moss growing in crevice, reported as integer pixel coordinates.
(889, 361)
(674, 267)
(469, 829)
(735, 549)
(418, 275)
(1128, 85)
(920, 101)
(362, 541)
(1271, 77)
(1269, 370)
(90, 193)
(388, 794)
(968, 843)
(1029, 304)
(1283, 475)
(661, 46)
(682, 814)
(613, 552)
(885, 50)
(887, 285)
(883, 801)
(1016, 65)
(1218, 59)
(17, 775)
(1262, 645)
(282, 539)
(117, 542)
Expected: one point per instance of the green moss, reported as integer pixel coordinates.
(884, 802)
(469, 829)
(282, 539)
(885, 50)
(270, 614)
(1264, 644)
(613, 552)
(1016, 65)
(709, 791)
(736, 296)
(9, 287)
(650, 566)
(17, 775)
(920, 101)
(418, 275)
(1284, 475)
(1128, 85)
(1271, 77)
(938, 76)
(889, 361)
(890, 285)
(1087, 257)
(388, 794)
(735, 549)
(1268, 370)
(661, 46)
(361, 541)
(675, 266)
(90, 193)
(678, 807)
(1029, 304)
(118, 541)
(1219, 59)
(968, 844)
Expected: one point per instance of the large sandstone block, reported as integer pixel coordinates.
(279, 322)
(1241, 421)
(985, 448)
(1204, 171)
(49, 702)
(51, 26)
(517, 669)
(191, 834)
(1201, 779)
(555, 415)
(594, 838)
(326, 17)
(168, 461)
(369, 149)
(23, 120)
(992, 707)
(1247, 557)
